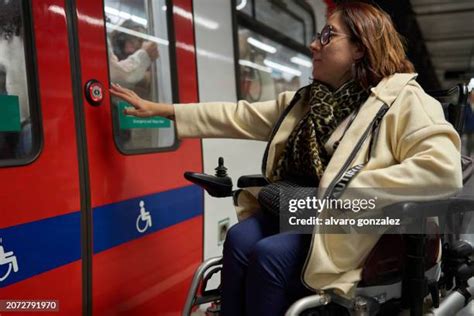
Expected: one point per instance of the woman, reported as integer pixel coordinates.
(359, 64)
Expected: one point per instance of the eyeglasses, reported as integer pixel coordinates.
(326, 34)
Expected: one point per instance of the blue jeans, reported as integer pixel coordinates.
(262, 268)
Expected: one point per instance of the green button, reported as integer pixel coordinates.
(128, 121)
(9, 113)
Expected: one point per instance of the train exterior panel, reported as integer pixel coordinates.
(40, 208)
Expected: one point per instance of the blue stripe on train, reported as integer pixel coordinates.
(41, 246)
(50, 243)
(117, 223)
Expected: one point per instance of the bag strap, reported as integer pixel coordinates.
(467, 168)
(346, 174)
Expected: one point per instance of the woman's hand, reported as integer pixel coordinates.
(151, 49)
(142, 108)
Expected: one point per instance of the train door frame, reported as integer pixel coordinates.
(112, 251)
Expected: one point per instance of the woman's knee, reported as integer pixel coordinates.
(265, 252)
(284, 251)
(243, 236)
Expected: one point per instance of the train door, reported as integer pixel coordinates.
(146, 233)
(40, 204)
(95, 214)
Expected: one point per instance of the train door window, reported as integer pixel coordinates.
(137, 39)
(268, 68)
(275, 14)
(272, 59)
(303, 11)
(20, 133)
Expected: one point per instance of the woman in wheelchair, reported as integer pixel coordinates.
(360, 71)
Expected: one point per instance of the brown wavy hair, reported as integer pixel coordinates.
(384, 48)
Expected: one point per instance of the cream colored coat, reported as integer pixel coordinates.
(416, 148)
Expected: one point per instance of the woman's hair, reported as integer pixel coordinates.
(119, 39)
(372, 29)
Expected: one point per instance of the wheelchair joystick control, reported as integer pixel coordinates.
(221, 170)
(219, 185)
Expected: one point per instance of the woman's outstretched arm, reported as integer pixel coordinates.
(241, 120)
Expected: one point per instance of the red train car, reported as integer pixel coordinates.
(95, 215)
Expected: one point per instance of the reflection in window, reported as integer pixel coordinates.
(268, 68)
(16, 139)
(304, 15)
(275, 14)
(138, 60)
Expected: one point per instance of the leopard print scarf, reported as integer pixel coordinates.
(304, 158)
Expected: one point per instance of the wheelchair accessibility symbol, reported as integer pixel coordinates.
(144, 219)
(10, 259)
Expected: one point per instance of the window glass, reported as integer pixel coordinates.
(139, 60)
(268, 68)
(18, 120)
(308, 21)
(276, 14)
(244, 6)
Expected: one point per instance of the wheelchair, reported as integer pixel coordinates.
(414, 283)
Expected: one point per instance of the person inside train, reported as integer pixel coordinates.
(125, 44)
(130, 57)
(359, 65)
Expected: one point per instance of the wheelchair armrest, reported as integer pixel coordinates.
(214, 185)
(253, 180)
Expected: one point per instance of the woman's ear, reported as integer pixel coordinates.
(358, 52)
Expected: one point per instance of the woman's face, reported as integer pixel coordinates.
(132, 45)
(332, 63)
